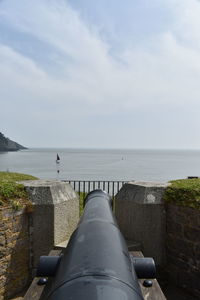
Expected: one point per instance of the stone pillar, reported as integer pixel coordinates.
(140, 214)
(55, 215)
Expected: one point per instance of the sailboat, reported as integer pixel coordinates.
(57, 159)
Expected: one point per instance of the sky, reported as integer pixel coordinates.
(100, 74)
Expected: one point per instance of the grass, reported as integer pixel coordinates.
(81, 198)
(11, 192)
(184, 192)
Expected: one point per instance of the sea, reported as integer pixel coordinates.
(103, 164)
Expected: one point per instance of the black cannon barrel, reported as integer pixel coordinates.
(96, 263)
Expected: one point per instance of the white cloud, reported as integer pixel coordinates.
(164, 72)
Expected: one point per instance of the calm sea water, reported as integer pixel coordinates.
(89, 164)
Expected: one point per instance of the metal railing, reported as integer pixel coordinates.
(86, 186)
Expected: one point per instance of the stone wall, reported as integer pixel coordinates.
(183, 247)
(14, 251)
(25, 236)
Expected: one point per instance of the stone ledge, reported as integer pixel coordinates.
(47, 192)
(150, 184)
(62, 245)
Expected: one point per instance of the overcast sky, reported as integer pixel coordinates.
(103, 73)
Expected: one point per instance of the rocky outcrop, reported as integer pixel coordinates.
(8, 145)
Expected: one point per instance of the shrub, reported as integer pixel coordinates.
(184, 192)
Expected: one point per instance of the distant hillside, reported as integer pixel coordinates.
(8, 145)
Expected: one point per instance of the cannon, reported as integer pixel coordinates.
(96, 263)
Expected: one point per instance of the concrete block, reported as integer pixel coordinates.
(55, 215)
(140, 214)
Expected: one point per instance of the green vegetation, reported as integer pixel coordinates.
(81, 197)
(184, 192)
(15, 176)
(11, 192)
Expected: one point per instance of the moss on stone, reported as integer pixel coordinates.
(184, 192)
(11, 192)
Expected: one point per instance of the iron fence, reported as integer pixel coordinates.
(86, 186)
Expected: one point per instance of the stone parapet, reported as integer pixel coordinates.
(55, 214)
(140, 213)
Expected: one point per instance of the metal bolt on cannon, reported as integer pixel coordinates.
(96, 263)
